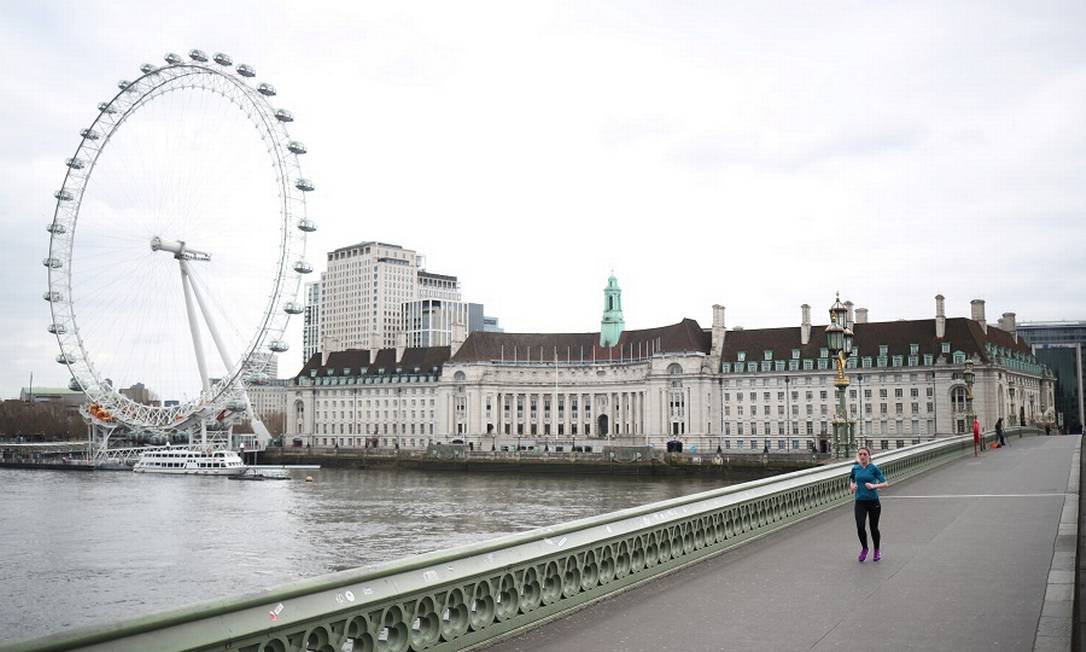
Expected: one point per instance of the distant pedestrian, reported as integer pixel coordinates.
(976, 437)
(999, 432)
(1022, 415)
(865, 480)
(1047, 430)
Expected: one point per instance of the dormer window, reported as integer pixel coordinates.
(767, 355)
(946, 347)
(884, 350)
(823, 352)
(914, 349)
(741, 356)
(795, 354)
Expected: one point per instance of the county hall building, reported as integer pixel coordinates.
(735, 390)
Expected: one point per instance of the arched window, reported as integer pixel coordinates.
(957, 398)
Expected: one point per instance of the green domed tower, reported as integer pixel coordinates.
(612, 324)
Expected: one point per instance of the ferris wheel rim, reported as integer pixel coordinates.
(293, 225)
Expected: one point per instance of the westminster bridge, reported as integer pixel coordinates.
(979, 554)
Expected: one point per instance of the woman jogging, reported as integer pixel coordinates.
(865, 481)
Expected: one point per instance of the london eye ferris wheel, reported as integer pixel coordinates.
(177, 245)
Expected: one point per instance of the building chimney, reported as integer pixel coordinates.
(1009, 324)
(718, 333)
(401, 346)
(330, 346)
(459, 335)
(940, 317)
(977, 306)
(850, 320)
(805, 327)
(861, 315)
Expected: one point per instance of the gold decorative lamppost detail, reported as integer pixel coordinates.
(839, 343)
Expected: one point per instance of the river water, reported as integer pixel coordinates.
(82, 548)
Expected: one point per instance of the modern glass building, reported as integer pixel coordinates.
(1061, 346)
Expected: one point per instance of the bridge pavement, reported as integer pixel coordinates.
(970, 550)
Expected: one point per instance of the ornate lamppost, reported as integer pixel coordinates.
(839, 343)
(969, 375)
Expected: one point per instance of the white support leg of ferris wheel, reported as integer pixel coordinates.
(217, 338)
(226, 362)
(197, 343)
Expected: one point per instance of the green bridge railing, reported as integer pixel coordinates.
(475, 594)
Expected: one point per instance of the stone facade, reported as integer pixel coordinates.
(735, 390)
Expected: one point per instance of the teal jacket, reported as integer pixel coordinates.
(871, 474)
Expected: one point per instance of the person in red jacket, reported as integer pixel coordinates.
(976, 436)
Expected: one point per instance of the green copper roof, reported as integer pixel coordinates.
(612, 323)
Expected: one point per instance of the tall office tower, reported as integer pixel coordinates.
(311, 329)
(362, 295)
(428, 320)
(438, 286)
(1061, 346)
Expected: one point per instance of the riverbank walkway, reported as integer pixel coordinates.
(978, 554)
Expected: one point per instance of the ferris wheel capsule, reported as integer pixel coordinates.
(256, 378)
(53, 296)
(296, 147)
(198, 55)
(223, 59)
(307, 225)
(147, 68)
(123, 84)
(89, 134)
(172, 58)
(266, 89)
(245, 70)
(106, 107)
(52, 262)
(293, 308)
(282, 115)
(62, 195)
(305, 185)
(56, 228)
(74, 163)
(75, 385)
(302, 267)
(278, 346)
(57, 329)
(65, 358)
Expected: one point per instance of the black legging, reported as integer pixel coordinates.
(868, 509)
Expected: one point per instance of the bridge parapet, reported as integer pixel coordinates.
(474, 594)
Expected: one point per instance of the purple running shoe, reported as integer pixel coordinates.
(878, 555)
(863, 555)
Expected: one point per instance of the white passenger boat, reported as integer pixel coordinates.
(189, 461)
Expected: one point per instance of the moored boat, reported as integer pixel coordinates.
(189, 461)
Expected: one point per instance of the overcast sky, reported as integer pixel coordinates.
(757, 155)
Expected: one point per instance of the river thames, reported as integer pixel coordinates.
(84, 548)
